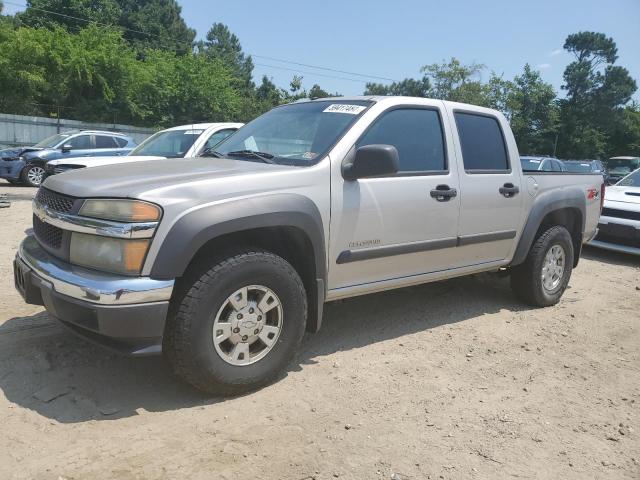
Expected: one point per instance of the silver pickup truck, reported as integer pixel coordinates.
(223, 263)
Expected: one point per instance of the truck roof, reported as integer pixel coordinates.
(399, 100)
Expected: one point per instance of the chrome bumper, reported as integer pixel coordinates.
(91, 286)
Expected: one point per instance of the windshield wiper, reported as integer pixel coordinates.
(263, 156)
(210, 153)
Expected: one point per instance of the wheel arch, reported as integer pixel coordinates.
(558, 207)
(288, 225)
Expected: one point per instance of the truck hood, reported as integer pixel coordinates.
(99, 161)
(147, 178)
(620, 194)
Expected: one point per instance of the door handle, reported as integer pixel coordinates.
(443, 193)
(509, 190)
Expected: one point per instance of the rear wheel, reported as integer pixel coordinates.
(238, 323)
(543, 277)
(33, 175)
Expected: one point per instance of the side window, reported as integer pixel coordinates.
(482, 143)
(546, 166)
(102, 141)
(416, 134)
(122, 142)
(81, 142)
(550, 166)
(217, 137)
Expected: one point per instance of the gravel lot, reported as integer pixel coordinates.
(448, 380)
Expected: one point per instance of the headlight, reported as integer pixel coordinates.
(121, 210)
(108, 254)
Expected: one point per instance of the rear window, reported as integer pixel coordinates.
(102, 141)
(577, 167)
(482, 142)
(122, 142)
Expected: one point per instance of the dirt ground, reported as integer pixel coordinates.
(452, 380)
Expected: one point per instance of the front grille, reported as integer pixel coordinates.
(47, 234)
(615, 213)
(55, 201)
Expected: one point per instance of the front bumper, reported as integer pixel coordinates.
(11, 169)
(124, 313)
(618, 234)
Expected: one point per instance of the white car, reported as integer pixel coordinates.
(178, 142)
(619, 225)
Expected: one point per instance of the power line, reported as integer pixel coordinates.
(324, 68)
(310, 73)
(71, 17)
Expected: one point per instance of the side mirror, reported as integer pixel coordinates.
(372, 161)
(66, 147)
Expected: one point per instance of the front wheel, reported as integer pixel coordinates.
(238, 323)
(543, 277)
(33, 175)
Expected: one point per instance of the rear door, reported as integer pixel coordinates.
(490, 185)
(107, 146)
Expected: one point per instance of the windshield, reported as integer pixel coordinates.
(51, 141)
(295, 134)
(622, 165)
(632, 180)
(577, 167)
(530, 163)
(168, 143)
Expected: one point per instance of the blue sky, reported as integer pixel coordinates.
(394, 39)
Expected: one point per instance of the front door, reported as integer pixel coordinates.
(394, 226)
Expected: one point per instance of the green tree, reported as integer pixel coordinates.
(156, 24)
(455, 81)
(69, 14)
(409, 87)
(533, 112)
(220, 43)
(316, 92)
(597, 91)
(145, 23)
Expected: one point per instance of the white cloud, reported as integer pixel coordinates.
(544, 66)
(555, 52)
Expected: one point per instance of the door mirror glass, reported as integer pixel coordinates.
(372, 161)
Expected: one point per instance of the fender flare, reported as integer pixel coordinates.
(545, 203)
(194, 229)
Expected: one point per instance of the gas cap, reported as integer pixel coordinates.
(532, 186)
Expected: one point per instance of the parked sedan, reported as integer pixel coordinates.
(29, 165)
(177, 142)
(619, 225)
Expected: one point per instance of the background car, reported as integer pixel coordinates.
(178, 142)
(619, 224)
(587, 166)
(29, 166)
(542, 164)
(619, 167)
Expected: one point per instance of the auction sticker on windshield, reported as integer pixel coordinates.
(344, 108)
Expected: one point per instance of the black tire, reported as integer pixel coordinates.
(526, 279)
(188, 340)
(24, 175)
